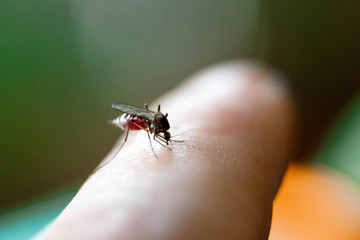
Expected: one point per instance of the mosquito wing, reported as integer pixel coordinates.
(134, 110)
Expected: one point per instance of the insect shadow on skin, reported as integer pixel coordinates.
(137, 118)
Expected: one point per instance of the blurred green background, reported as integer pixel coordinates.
(63, 63)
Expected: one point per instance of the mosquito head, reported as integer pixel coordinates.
(167, 136)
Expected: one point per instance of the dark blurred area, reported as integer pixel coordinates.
(63, 63)
(316, 44)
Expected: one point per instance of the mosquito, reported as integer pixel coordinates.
(137, 118)
(142, 118)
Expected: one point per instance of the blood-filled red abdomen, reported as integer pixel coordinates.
(135, 123)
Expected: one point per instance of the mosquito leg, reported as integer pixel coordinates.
(156, 139)
(122, 144)
(151, 144)
(162, 139)
(126, 137)
(147, 131)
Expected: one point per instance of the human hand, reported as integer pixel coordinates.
(217, 184)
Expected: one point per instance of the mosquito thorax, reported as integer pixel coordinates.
(162, 124)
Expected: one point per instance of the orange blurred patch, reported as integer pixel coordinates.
(315, 203)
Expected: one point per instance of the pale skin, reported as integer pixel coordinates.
(217, 184)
